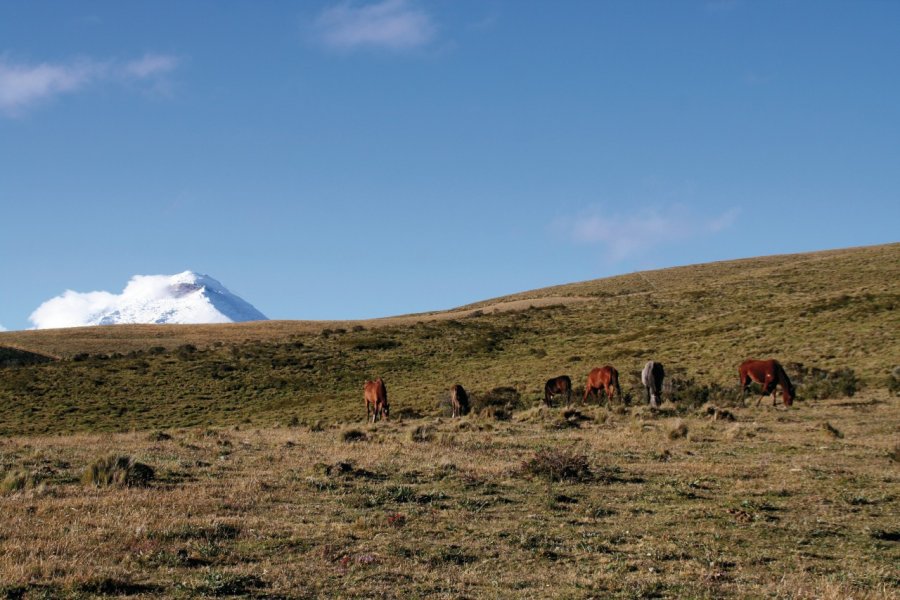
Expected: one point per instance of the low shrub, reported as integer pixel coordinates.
(817, 384)
(353, 435)
(687, 394)
(557, 465)
(117, 471)
(498, 403)
(159, 436)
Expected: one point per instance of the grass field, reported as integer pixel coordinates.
(596, 504)
(266, 483)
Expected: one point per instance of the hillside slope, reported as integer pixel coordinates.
(831, 310)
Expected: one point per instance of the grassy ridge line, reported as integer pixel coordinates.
(829, 310)
(879, 262)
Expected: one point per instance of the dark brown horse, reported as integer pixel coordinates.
(556, 386)
(602, 378)
(375, 395)
(459, 400)
(769, 374)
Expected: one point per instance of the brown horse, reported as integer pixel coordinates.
(459, 400)
(605, 378)
(558, 385)
(769, 374)
(375, 395)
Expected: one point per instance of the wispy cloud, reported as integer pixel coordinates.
(626, 235)
(2, 328)
(151, 65)
(23, 85)
(391, 24)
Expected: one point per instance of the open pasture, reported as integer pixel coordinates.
(799, 503)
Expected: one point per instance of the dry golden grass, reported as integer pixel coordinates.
(770, 505)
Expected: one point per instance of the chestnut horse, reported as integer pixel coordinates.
(459, 400)
(558, 385)
(605, 378)
(375, 394)
(769, 374)
(652, 377)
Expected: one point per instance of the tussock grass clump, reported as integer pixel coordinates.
(353, 435)
(159, 436)
(117, 471)
(16, 481)
(893, 383)
(717, 414)
(421, 433)
(894, 454)
(679, 431)
(557, 465)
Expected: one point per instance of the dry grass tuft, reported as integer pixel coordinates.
(680, 430)
(117, 471)
(421, 433)
(352, 434)
(894, 454)
(557, 465)
(16, 481)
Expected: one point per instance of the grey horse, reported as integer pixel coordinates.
(652, 377)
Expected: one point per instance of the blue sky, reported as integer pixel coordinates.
(361, 159)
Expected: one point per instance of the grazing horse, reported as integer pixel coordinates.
(459, 400)
(769, 374)
(375, 395)
(605, 378)
(652, 377)
(558, 385)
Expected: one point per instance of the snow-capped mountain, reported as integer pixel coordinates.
(187, 297)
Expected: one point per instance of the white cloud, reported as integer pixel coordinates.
(625, 235)
(23, 85)
(2, 328)
(72, 309)
(186, 297)
(392, 24)
(151, 65)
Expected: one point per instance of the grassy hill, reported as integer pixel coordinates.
(829, 310)
(252, 484)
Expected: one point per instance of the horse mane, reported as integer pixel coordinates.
(782, 376)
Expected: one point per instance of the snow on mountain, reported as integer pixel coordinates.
(183, 298)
